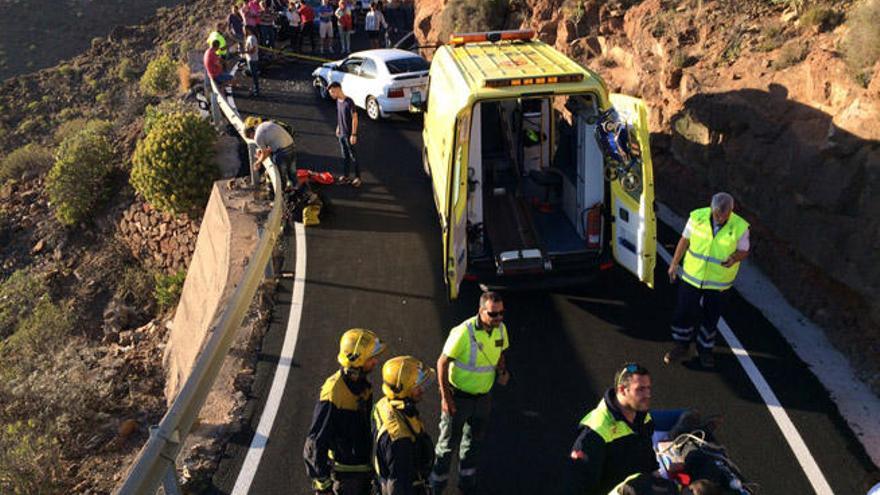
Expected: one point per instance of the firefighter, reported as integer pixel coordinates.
(614, 439)
(713, 243)
(404, 452)
(338, 447)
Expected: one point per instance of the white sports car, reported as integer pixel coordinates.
(379, 81)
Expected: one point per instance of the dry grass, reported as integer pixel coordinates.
(791, 54)
(29, 157)
(861, 47)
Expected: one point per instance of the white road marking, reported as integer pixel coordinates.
(285, 361)
(801, 452)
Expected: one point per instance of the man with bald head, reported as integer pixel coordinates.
(713, 243)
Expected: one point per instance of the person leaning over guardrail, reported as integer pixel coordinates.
(272, 140)
(339, 445)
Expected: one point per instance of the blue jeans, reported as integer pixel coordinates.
(283, 158)
(254, 67)
(267, 35)
(348, 158)
(223, 78)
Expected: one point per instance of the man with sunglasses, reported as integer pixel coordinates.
(471, 362)
(614, 439)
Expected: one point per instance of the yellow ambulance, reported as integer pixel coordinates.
(525, 193)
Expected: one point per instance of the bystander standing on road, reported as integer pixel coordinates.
(346, 133)
(338, 448)
(614, 439)
(272, 140)
(325, 26)
(471, 362)
(252, 57)
(373, 23)
(235, 24)
(346, 26)
(250, 12)
(294, 23)
(713, 243)
(399, 19)
(307, 18)
(404, 450)
(214, 65)
(267, 24)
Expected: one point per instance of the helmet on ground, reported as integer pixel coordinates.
(402, 374)
(357, 346)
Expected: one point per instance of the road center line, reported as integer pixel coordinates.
(285, 362)
(789, 431)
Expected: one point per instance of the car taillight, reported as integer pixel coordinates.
(395, 93)
(593, 230)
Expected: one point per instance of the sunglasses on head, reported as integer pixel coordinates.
(495, 314)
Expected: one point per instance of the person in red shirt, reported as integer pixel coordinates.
(346, 26)
(214, 66)
(307, 16)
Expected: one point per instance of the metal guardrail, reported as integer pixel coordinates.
(155, 463)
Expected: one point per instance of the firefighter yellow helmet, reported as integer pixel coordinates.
(252, 122)
(402, 374)
(357, 346)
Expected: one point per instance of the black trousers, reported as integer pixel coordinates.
(696, 315)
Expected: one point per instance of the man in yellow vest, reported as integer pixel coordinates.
(404, 452)
(713, 243)
(472, 360)
(614, 439)
(338, 448)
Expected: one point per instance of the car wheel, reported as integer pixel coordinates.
(373, 110)
(321, 88)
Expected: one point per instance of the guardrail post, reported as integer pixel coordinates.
(169, 480)
(216, 115)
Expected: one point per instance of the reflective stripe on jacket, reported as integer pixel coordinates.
(702, 262)
(474, 373)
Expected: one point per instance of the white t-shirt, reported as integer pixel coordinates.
(251, 43)
(742, 244)
(293, 18)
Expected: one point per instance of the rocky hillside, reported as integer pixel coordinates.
(776, 102)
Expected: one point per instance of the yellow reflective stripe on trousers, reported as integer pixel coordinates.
(348, 468)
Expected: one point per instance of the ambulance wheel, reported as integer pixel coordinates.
(610, 173)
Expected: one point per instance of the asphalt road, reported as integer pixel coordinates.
(374, 262)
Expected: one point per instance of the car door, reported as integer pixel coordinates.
(368, 84)
(347, 73)
(634, 225)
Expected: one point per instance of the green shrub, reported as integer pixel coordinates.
(136, 287)
(18, 295)
(152, 113)
(733, 49)
(126, 71)
(160, 78)
(39, 334)
(168, 289)
(173, 165)
(77, 182)
(861, 47)
(821, 17)
(791, 54)
(29, 157)
(29, 459)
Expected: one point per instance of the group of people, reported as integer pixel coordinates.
(614, 453)
(351, 442)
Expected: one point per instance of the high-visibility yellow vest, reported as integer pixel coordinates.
(476, 373)
(702, 262)
(601, 421)
(221, 50)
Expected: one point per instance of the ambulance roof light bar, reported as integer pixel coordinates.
(458, 39)
(530, 81)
